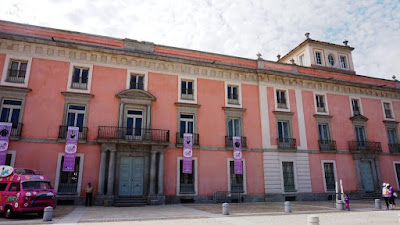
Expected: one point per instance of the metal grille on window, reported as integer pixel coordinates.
(186, 181)
(329, 176)
(288, 176)
(236, 179)
(69, 180)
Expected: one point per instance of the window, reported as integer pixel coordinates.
(3, 186)
(388, 110)
(236, 180)
(14, 187)
(10, 111)
(233, 127)
(187, 91)
(136, 81)
(343, 62)
(68, 181)
(134, 120)
(323, 131)
(186, 124)
(233, 96)
(360, 135)
(320, 103)
(331, 60)
(302, 60)
(281, 99)
(76, 116)
(186, 180)
(17, 71)
(80, 78)
(283, 130)
(329, 174)
(397, 169)
(318, 59)
(355, 105)
(288, 177)
(392, 135)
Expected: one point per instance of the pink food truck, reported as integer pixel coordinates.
(24, 191)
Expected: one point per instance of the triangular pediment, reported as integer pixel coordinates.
(359, 117)
(135, 94)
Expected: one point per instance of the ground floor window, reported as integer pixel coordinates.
(187, 180)
(69, 182)
(329, 173)
(288, 176)
(236, 180)
(397, 168)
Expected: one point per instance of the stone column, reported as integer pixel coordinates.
(161, 174)
(153, 173)
(111, 170)
(102, 171)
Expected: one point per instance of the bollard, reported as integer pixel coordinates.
(378, 204)
(340, 205)
(225, 208)
(312, 220)
(288, 208)
(48, 213)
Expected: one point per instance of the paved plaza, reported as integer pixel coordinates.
(362, 212)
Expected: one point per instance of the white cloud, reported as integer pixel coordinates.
(234, 27)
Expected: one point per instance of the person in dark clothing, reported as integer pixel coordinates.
(89, 192)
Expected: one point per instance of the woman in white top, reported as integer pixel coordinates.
(385, 194)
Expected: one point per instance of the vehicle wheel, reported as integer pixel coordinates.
(40, 214)
(8, 212)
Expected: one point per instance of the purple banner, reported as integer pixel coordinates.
(237, 155)
(187, 153)
(5, 131)
(70, 149)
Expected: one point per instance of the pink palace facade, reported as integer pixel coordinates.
(305, 121)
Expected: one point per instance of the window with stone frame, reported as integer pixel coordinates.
(187, 89)
(17, 71)
(233, 94)
(288, 177)
(355, 104)
(320, 100)
(187, 180)
(68, 181)
(10, 111)
(136, 81)
(318, 58)
(281, 99)
(388, 110)
(236, 180)
(80, 78)
(329, 175)
(187, 122)
(343, 62)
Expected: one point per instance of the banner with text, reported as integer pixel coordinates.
(71, 145)
(237, 155)
(5, 131)
(187, 153)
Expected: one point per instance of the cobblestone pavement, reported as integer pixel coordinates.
(362, 212)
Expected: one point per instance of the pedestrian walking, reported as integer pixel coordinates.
(392, 196)
(89, 192)
(385, 194)
(347, 202)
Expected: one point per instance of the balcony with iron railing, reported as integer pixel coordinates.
(187, 94)
(132, 135)
(82, 135)
(229, 142)
(179, 139)
(394, 148)
(327, 145)
(286, 143)
(15, 133)
(365, 146)
(16, 76)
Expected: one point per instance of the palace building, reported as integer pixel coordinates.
(305, 122)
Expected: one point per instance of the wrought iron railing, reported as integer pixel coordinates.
(394, 148)
(78, 85)
(179, 139)
(321, 109)
(187, 94)
(286, 143)
(62, 134)
(282, 105)
(233, 99)
(229, 142)
(133, 134)
(133, 85)
(327, 145)
(16, 130)
(365, 146)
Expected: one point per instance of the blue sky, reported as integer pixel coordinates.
(232, 27)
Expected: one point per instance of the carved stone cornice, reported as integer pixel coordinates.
(190, 105)
(135, 94)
